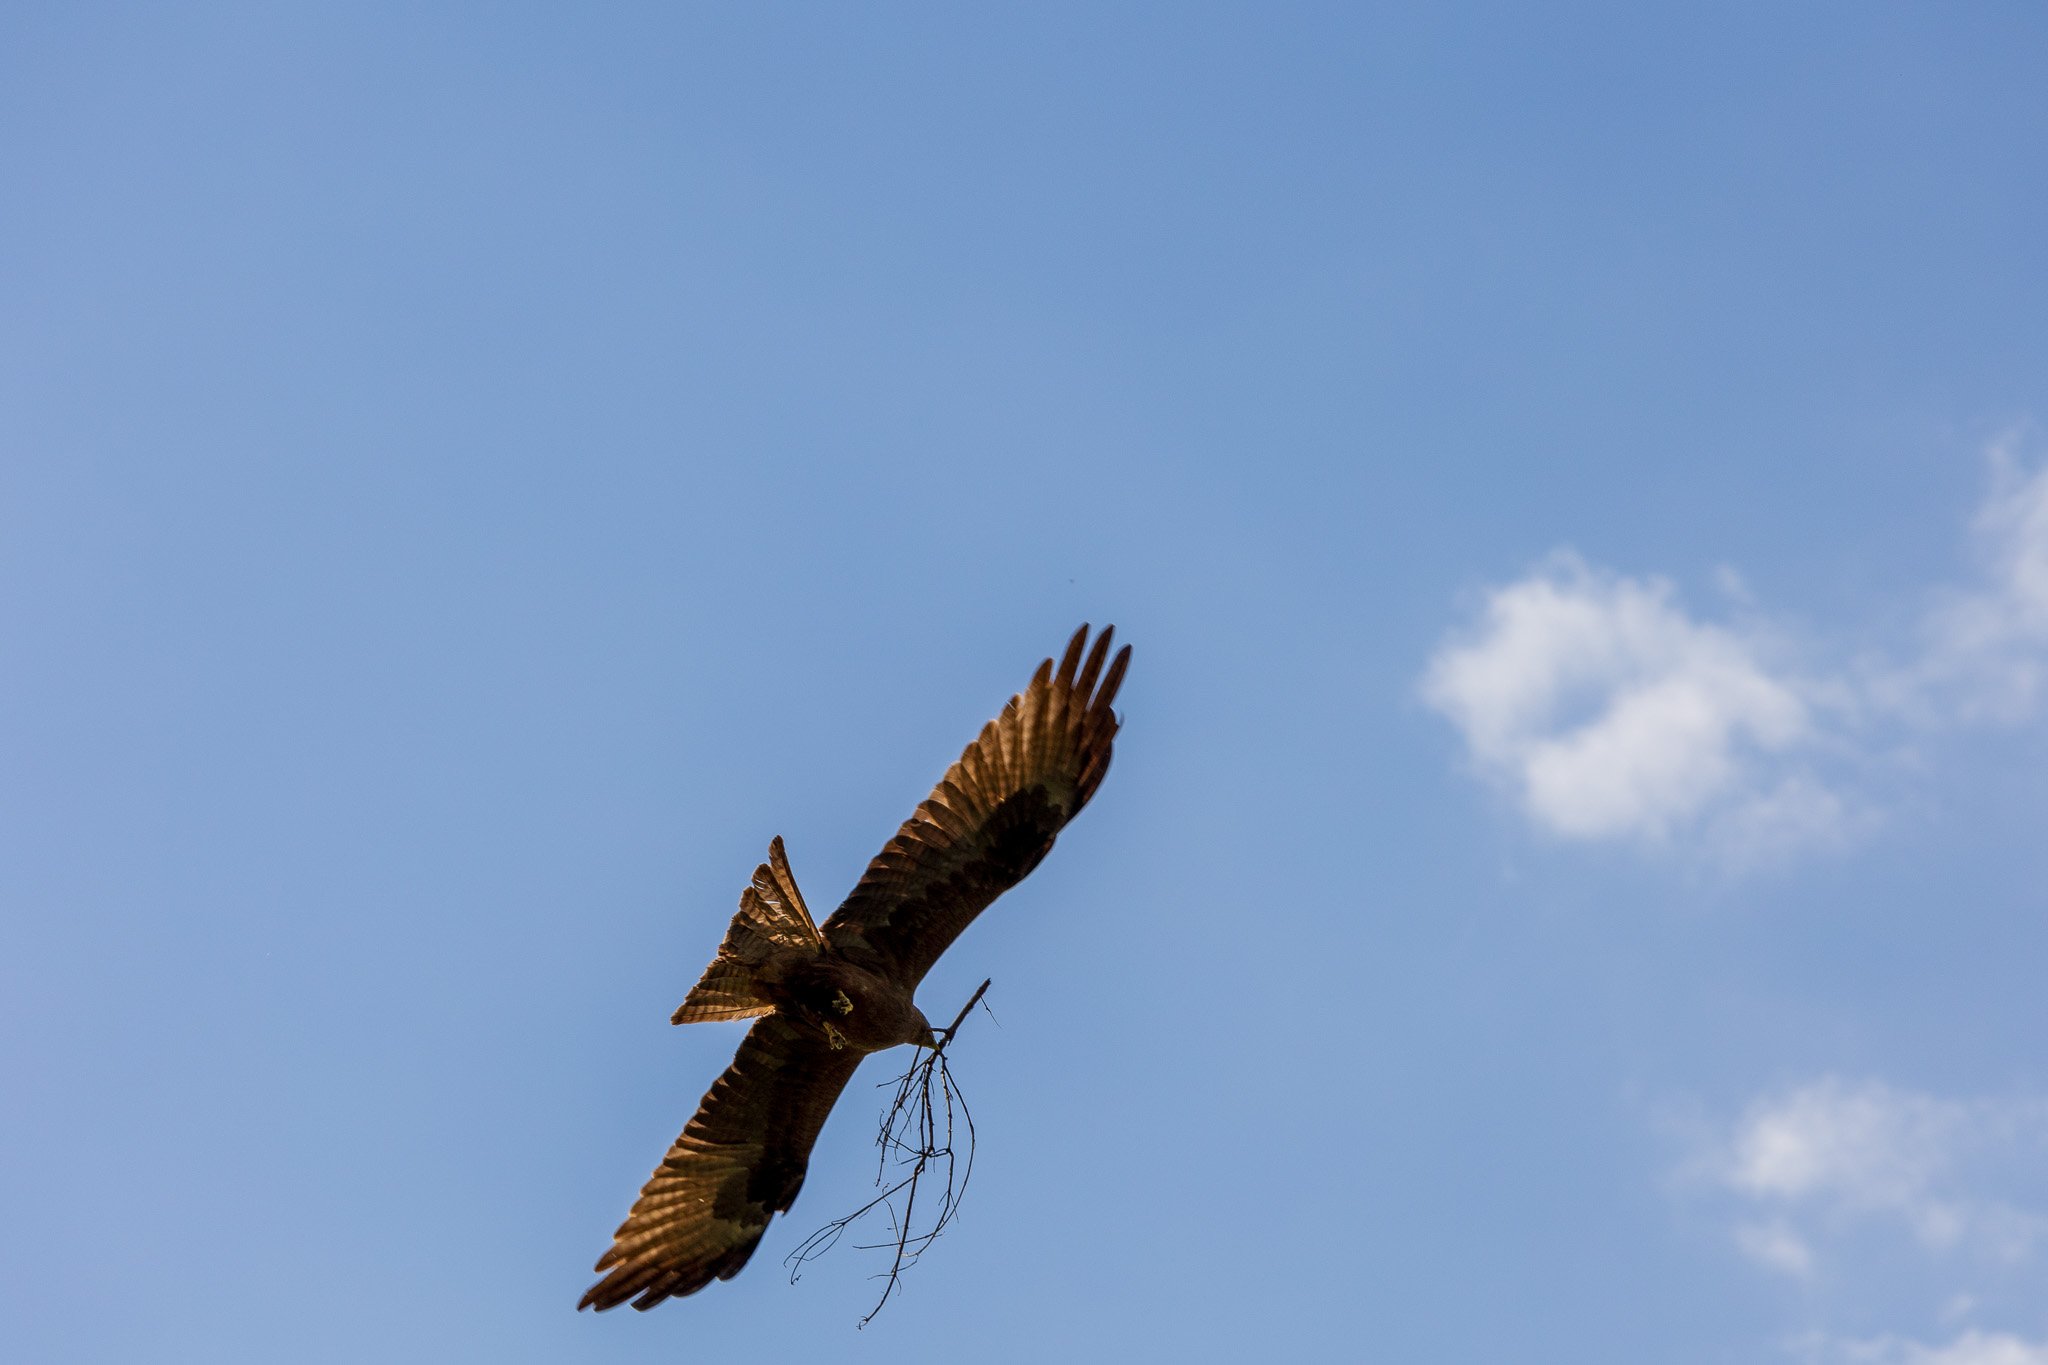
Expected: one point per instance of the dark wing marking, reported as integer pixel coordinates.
(990, 820)
(738, 1162)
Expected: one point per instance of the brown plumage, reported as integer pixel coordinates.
(830, 996)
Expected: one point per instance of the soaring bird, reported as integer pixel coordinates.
(827, 996)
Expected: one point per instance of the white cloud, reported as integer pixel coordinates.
(1971, 1348)
(1921, 1208)
(1832, 1160)
(1985, 649)
(1866, 1147)
(1611, 712)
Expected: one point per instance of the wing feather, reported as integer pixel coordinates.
(739, 1162)
(991, 818)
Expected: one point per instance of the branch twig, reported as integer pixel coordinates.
(918, 1133)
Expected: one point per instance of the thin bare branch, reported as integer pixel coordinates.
(926, 1128)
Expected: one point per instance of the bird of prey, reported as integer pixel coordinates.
(827, 995)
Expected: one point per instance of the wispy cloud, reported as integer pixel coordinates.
(1970, 1348)
(1984, 651)
(1831, 1152)
(1834, 1183)
(1610, 711)
(1776, 1244)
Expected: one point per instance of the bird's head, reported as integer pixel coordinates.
(924, 1037)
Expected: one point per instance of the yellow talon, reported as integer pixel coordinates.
(842, 1002)
(834, 1037)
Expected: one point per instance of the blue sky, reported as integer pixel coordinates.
(1570, 888)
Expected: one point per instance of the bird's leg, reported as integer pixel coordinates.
(833, 1036)
(842, 1002)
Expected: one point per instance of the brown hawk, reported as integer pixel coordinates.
(829, 995)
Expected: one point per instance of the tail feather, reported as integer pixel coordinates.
(782, 913)
(772, 920)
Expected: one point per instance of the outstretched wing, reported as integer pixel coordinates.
(739, 1161)
(990, 820)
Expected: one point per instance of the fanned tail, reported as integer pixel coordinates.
(772, 920)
